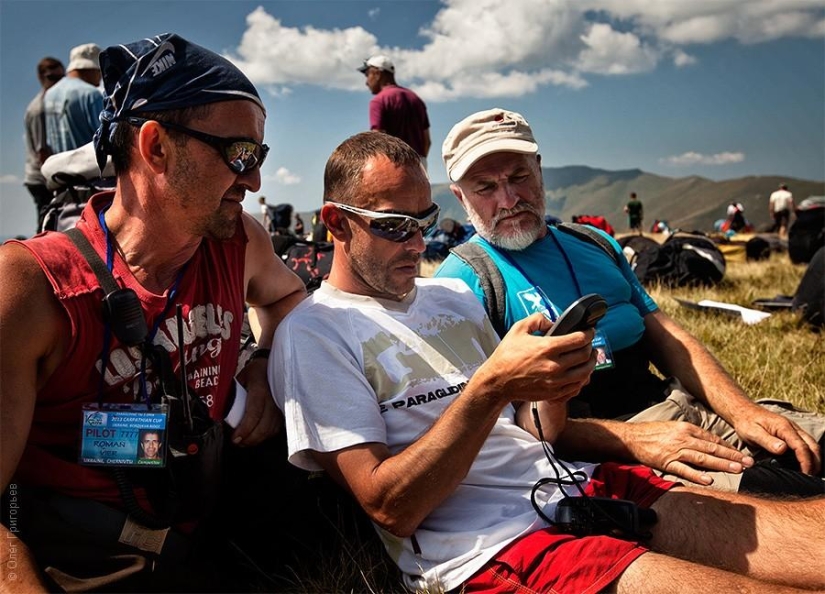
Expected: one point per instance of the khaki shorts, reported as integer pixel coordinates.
(681, 406)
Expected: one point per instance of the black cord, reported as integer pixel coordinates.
(575, 479)
(127, 493)
(572, 478)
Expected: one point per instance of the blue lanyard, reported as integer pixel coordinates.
(107, 337)
(547, 303)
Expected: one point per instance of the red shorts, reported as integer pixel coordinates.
(547, 561)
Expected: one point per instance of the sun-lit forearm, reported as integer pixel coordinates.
(411, 484)
(677, 353)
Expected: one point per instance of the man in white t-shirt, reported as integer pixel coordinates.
(780, 207)
(426, 418)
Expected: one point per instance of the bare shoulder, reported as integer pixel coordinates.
(29, 310)
(20, 272)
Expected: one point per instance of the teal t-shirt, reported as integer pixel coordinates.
(545, 265)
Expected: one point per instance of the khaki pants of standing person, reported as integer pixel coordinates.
(681, 406)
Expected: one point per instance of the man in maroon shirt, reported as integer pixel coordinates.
(394, 109)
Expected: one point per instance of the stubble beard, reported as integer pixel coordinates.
(376, 274)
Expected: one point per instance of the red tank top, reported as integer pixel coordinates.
(212, 294)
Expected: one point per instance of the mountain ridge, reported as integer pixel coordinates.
(691, 202)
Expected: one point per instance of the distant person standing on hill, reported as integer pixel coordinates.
(780, 207)
(73, 105)
(49, 71)
(396, 110)
(635, 213)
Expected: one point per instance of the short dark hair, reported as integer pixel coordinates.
(48, 61)
(123, 139)
(342, 175)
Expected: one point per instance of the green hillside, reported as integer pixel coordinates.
(687, 202)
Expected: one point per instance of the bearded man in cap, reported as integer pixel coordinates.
(184, 128)
(394, 109)
(697, 425)
(72, 106)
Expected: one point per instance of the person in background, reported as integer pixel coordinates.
(266, 213)
(690, 425)
(319, 230)
(396, 110)
(299, 226)
(73, 105)
(735, 217)
(635, 213)
(780, 208)
(49, 72)
(445, 435)
(184, 128)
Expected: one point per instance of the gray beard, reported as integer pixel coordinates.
(516, 240)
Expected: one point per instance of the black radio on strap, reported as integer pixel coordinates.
(121, 307)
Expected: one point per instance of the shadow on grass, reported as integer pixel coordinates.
(293, 531)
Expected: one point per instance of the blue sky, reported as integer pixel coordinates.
(717, 88)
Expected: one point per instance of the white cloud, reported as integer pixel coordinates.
(694, 158)
(271, 54)
(709, 21)
(612, 52)
(682, 59)
(9, 179)
(284, 176)
(489, 48)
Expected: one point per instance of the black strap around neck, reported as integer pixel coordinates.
(104, 276)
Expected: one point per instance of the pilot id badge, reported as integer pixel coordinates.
(604, 356)
(124, 435)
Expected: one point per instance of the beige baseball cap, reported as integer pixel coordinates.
(491, 131)
(84, 57)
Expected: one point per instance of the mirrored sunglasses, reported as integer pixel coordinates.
(240, 154)
(394, 226)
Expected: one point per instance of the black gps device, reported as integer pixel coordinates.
(582, 314)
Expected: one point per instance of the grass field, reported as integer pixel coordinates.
(776, 358)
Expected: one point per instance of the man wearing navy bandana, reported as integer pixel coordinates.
(184, 128)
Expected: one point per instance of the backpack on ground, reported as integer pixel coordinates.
(597, 221)
(809, 299)
(807, 233)
(757, 248)
(633, 245)
(684, 259)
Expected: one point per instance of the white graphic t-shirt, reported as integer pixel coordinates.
(349, 369)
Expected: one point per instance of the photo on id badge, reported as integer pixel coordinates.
(150, 448)
(604, 357)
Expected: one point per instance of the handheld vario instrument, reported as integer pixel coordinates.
(586, 515)
(582, 314)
